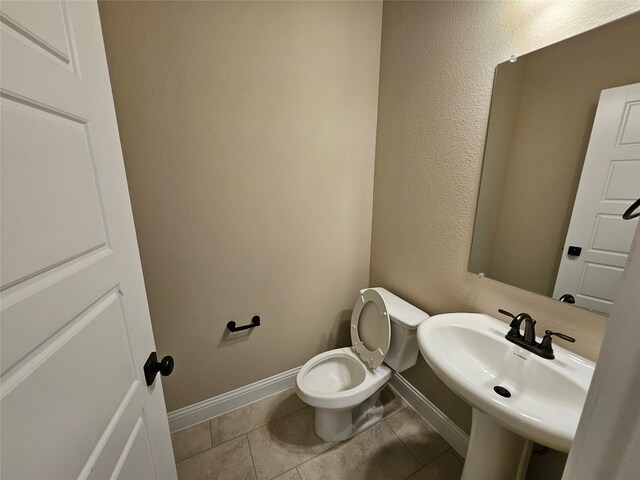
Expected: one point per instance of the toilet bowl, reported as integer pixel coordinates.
(344, 384)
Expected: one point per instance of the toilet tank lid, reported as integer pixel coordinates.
(400, 312)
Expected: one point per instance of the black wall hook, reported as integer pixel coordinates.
(255, 322)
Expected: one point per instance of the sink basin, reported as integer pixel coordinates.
(469, 353)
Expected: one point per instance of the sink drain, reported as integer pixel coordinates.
(503, 392)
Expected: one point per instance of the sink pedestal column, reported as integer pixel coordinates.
(494, 451)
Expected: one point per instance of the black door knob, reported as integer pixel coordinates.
(166, 366)
(568, 298)
(152, 367)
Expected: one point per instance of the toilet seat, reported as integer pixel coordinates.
(333, 393)
(370, 312)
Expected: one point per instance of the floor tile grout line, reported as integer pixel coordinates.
(243, 406)
(250, 451)
(286, 471)
(247, 405)
(240, 434)
(416, 458)
(191, 456)
(446, 451)
(285, 416)
(308, 459)
(419, 462)
(337, 444)
(321, 453)
(404, 407)
(258, 401)
(344, 442)
(393, 414)
(258, 426)
(420, 466)
(210, 448)
(253, 462)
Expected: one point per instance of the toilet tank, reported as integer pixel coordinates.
(405, 318)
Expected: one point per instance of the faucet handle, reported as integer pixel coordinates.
(508, 314)
(548, 333)
(546, 350)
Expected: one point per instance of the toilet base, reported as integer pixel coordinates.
(338, 425)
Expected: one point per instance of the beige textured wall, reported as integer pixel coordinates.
(436, 73)
(248, 132)
(549, 145)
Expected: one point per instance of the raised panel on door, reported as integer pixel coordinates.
(37, 308)
(135, 459)
(630, 130)
(44, 27)
(51, 207)
(612, 235)
(91, 358)
(623, 181)
(599, 282)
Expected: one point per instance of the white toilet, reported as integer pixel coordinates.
(344, 384)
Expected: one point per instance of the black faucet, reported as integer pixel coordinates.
(528, 341)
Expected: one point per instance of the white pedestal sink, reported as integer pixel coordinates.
(517, 397)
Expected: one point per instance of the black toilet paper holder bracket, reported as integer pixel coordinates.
(255, 322)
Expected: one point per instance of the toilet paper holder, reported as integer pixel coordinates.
(255, 322)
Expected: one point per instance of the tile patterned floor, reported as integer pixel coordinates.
(274, 439)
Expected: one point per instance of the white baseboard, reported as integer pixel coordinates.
(214, 406)
(454, 435)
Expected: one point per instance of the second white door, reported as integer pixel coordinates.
(598, 239)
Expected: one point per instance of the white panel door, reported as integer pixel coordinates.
(74, 329)
(609, 183)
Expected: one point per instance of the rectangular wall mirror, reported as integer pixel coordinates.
(561, 165)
